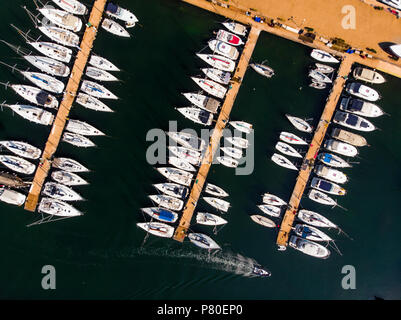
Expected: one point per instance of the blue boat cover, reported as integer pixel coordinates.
(166, 215)
(111, 7)
(325, 185)
(352, 120)
(327, 157)
(355, 105)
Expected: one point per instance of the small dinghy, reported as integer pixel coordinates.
(368, 75)
(215, 190)
(204, 102)
(217, 75)
(61, 36)
(283, 161)
(299, 123)
(232, 152)
(68, 178)
(31, 113)
(353, 121)
(102, 63)
(323, 56)
(189, 155)
(176, 175)
(271, 199)
(317, 85)
(349, 137)
(291, 138)
(238, 142)
(327, 186)
(72, 6)
(321, 197)
(93, 103)
(114, 28)
(167, 202)
(118, 12)
(342, 148)
(58, 208)
(69, 165)
(311, 233)
(263, 221)
(53, 50)
(181, 164)
(228, 161)
(209, 219)
(242, 126)
(161, 214)
(187, 140)
(12, 197)
(172, 189)
(60, 192)
(323, 68)
(62, 19)
(96, 90)
(270, 210)
(362, 91)
(77, 140)
(360, 107)
(203, 241)
(22, 149)
(197, 115)
(333, 160)
(83, 128)
(331, 174)
(287, 149)
(309, 247)
(157, 229)
(17, 164)
(315, 219)
(229, 38)
(35, 95)
(235, 27)
(218, 61)
(262, 69)
(319, 76)
(99, 74)
(219, 204)
(211, 87)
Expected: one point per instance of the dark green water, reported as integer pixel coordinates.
(99, 255)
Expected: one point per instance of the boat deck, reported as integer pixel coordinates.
(180, 232)
(65, 105)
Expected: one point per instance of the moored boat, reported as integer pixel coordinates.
(176, 175)
(291, 138)
(319, 76)
(69, 165)
(181, 164)
(262, 220)
(60, 192)
(22, 149)
(62, 19)
(228, 161)
(58, 208)
(48, 65)
(327, 186)
(118, 12)
(92, 103)
(35, 95)
(342, 148)
(321, 197)
(271, 199)
(157, 229)
(360, 107)
(317, 85)
(99, 74)
(362, 91)
(215, 190)
(311, 233)
(270, 210)
(333, 160)
(229, 38)
(114, 28)
(33, 114)
(72, 6)
(68, 178)
(197, 115)
(315, 219)
(349, 137)
(44, 81)
(211, 87)
(331, 174)
(217, 75)
(224, 49)
(52, 50)
(189, 155)
(232, 152)
(96, 90)
(60, 35)
(368, 75)
(209, 219)
(102, 63)
(283, 161)
(323, 56)
(299, 123)
(203, 241)
(235, 27)
(324, 68)
(309, 247)
(238, 142)
(203, 102)
(242, 126)
(262, 69)
(187, 140)
(167, 202)
(12, 197)
(287, 149)
(172, 189)
(77, 140)
(219, 204)
(83, 128)
(161, 214)
(218, 61)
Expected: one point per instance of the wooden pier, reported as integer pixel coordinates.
(180, 232)
(65, 105)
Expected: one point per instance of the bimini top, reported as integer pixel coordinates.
(324, 185)
(43, 98)
(111, 7)
(355, 105)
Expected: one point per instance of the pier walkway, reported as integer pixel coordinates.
(65, 105)
(180, 232)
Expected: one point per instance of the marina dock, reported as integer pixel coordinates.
(66, 104)
(184, 224)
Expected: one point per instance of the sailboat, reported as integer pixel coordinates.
(187, 140)
(83, 128)
(232, 152)
(69, 165)
(236, 28)
(299, 123)
(72, 6)
(99, 74)
(217, 75)
(172, 189)
(22, 149)
(209, 219)
(228, 161)
(315, 219)
(271, 199)
(321, 197)
(60, 35)
(31, 113)
(283, 161)
(229, 38)
(197, 115)
(291, 138)
(12, 197)
(242, 126)
(96, 90)
(270, 210)
(114, 28)
(176, 175)
(57, 207)
(68, 178)
(224, 49)
(189, 155)
(323, 56)
(203, 241)
(333, 160)
(77, 140)
(102, 63)
(215, 190)
(204, 102)
(60, 192)
(211, 87)
(157, 229)
(167, 202)
(181, 164)
(92, 103)
(238, 142)
(35, 95)
(311, 233)
(262, 220)
(161, 214)
(287, 149)
(218, 61)
(219, 204)
(62, 19)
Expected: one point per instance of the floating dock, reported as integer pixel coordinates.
(184, 224)
(65, 105)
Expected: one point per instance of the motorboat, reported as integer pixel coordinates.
(327, 186)
(283, 161)
(218, 61)
(317, 85)
(77, 140)
(72, 6)
(242, 126)
(99, 74)
(114, 28)
(309, 247)
(68, 178)
(211, 87)
(60, 192)
(219, 204)
(222, 77)
(229, 38)
(232, 152)
(215, 190)
(287, 149)
(271, 199)
(61, 36)
(83, 128)
(187, 140)
(396, 48)
(224, 49)
(349, 137)
(310, 233)
(197, 115)
(44, 81)
(35, 95)
(360, 107)
(176, 175)
(96, 90)
(167, 202)
(235, 27)
(125, 15)
(319, 76)
(189, 155)
(62, 19)
(31, 113)
(262, 69)
(181, 164)
(270, 210)
(333, 160)
(262, 220)
(260, 271)
(323, 68)
(368, 75)
(362, 91)
(157, 229)
(52, 50)
(238, 142)
(161, 214)
(203, 102)
(172, 189)
(342, 148)
(12, 197)
(331, 174)
(323, 56)
(102, 63)
(209, 219)
(22, 149)
(203, 241)
(48, 65)
(291, 138)
(315, 219)
(299, 123)
(228, 161)
(58, 208)
(92, 103)
(321, 197)
(69, 165)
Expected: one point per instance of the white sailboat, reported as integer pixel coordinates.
(215, 190)
(102, 63)
(68, 178)
(321, 197)
(62, 19)
(315, 219)
(82, 128)
(22, 149)
(172, 189)
(299, 123)
(263, 221)
(211, 87)
(238, 142)
(176, 175)
(319, 76)
(31, 113)
(291, 138)
(187, 140)
(114, 28)
(60, 35)
(48, 65)
(209, 219)
(242, 126)
(72, 6)
(52, 50)
(270, 210)
(229, 38)
(203, 241)
(12, 197)
(228, 161)
(77, 140)
(167, 202)
(311, 233)
(232, 152)
(157, 229)
(218, 61)
(271, 199)
(219, 204)
(161, 214)
(92, 103)
(59, 208)
(35, 95)
(69, 165)
(283, 161)
(235, 27)
(323, 56)
(99, 74)
(323, 68)
(181, 164)
(60, 192)
(189, 155)
(204, 102)
(96, 90)
(287, 149)
(44, 81)
(222, 77)
(197, 115)
(333, 160)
